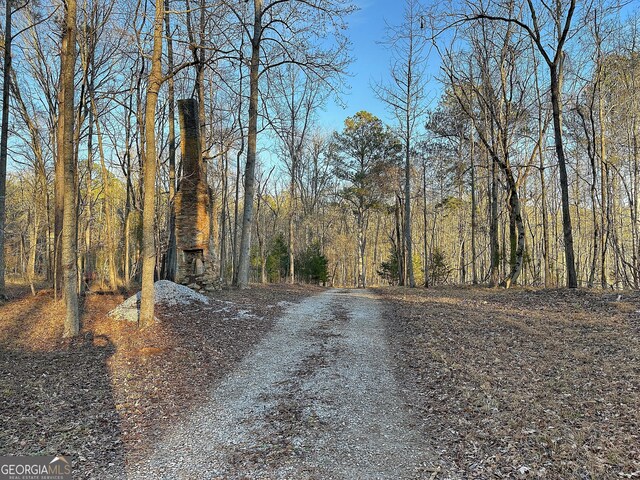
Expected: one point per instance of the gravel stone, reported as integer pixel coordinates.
(166, 293)
(316, 399)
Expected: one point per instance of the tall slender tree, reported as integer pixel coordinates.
(287, 32)
(4, 136)
(67, 147)
(154, 82)
(550, 38)
(405, 96)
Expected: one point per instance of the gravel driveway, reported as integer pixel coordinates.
(315, 400)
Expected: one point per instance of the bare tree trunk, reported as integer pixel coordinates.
(556, 103)
(149, 178)
(224, 214)
(546, 252)
(239, 153)
(362, 242)
(33, 247)
(546, 249)
(4, 140)
(127, 242)
(604, 199)
(58, 198)
(407, 211)
(292, 270)
(516, 231)
(424, 220)
(172, 251)
(69, 220)
(236, 207)
(261, 240)
(222, 245)
(474, 211)
(400, 250)
(249, 172)
(129, 191)
(493, 227)
(87, 267)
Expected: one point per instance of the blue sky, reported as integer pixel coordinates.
(371, 61)
(370, 64)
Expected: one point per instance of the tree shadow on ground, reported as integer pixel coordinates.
(60, 401)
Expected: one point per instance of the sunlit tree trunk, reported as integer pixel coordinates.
(4, 138)
(250, 166)
(69, 219)
(149, 174)
(425, 246)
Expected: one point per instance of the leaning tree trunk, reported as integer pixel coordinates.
(556, 103)
(242, 280)
(69, 217)
(149, 179)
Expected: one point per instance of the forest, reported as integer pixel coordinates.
(515, 160)
(313, 239)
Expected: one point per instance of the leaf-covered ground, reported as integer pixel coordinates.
(521, 383)
(502, 384)
(107, 395)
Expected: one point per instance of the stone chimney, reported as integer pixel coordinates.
(196, 266)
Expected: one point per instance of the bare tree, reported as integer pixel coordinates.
(286, 32)
(4, 134)
(549, 25)
(10, 8)
(154, 83)
(295, 99)
(67, 147)
(405, 95)
(172, 250)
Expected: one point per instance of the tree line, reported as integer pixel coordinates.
(510, 154)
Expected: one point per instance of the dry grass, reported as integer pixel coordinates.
(522, 383)
(105, 396)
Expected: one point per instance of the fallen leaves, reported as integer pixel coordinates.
(115, 389)
(522, 383)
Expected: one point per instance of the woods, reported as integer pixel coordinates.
(320, 238)
(507, 154)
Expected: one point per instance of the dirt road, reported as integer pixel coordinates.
(315, 399)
